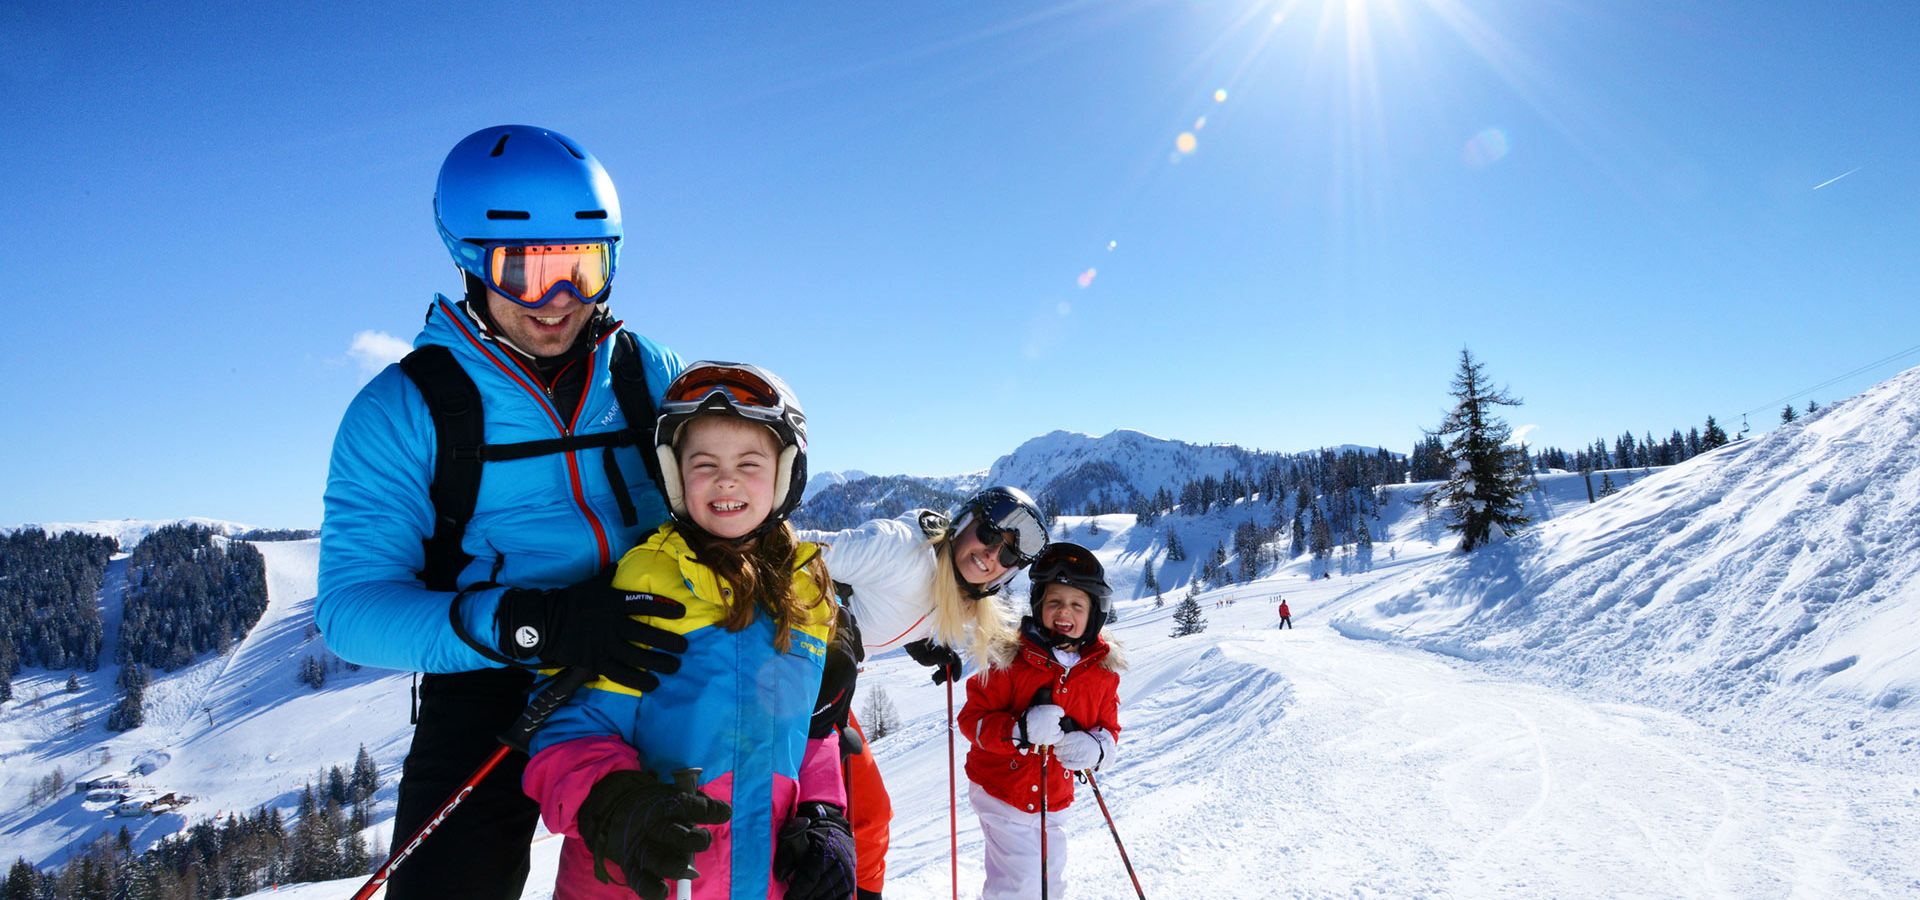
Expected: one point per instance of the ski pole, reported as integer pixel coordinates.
(688, 781)
(1045, 755)
(953, 803)
(1116, 835)
(517, 738)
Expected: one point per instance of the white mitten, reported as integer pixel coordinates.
(1079, 750)
(1041, 725)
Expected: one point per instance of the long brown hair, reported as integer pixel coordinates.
(757, 574)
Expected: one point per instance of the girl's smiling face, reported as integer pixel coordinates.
(727, 471)
(1065, 609)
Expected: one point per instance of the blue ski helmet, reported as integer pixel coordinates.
(522, 183)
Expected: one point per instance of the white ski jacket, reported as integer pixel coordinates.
(890, 566)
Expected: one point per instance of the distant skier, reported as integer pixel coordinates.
(923, 582)
(732, 445)
(1286, 615)
(1052, 711)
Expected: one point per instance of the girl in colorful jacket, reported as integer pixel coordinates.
(1053, 710)
(766, 819)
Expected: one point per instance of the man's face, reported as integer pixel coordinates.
(547, 331)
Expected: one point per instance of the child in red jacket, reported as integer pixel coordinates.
(1051, 710)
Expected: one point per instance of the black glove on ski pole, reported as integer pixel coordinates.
(944, 660)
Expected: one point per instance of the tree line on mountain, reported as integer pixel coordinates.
(222, 857)
(188, 594)
(49, 606)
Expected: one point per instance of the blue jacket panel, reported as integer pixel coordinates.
(542, 522)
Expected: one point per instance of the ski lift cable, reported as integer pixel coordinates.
(1835, 380)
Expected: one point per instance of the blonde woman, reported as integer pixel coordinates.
(924, 582)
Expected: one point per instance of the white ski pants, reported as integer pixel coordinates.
(1013, 849)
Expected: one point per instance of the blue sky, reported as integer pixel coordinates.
(1617, 205)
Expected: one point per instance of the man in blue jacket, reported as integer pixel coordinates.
(411, 579)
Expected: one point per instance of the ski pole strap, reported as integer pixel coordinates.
(541, 707)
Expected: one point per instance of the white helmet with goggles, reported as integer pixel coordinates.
(745, 392)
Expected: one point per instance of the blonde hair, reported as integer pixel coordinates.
(982, 626)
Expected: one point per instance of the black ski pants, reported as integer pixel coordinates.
(480, 851)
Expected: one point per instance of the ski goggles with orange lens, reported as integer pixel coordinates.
(533, 274)
(746, 389)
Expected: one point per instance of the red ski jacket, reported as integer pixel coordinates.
(996, 698)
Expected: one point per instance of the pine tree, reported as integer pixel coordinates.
(1187, 617)
(1299, 543)
(129, 713)
(73, 684)
(1320, 539)
(1787, 415)
(1151, 582)
(1175, 552)
(1812, 407)
(1363, 548)
(879, 718)
(1607, 487)
(1488, 481)
(1713, 437)
(366, 775)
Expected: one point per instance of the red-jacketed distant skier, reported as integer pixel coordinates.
(1286, 615)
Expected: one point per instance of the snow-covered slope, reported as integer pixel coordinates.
(234, 730)
(1771, 586)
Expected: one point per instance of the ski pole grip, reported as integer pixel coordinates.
(542, 706)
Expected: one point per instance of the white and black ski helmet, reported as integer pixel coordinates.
(1012, 519)
(1075, 566)
(746, 392)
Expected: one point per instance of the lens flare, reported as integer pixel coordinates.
(1200, 124)
(1186, 142)
(1111, 245)
(1485, 148)
(1086, 278)
(1220, 96)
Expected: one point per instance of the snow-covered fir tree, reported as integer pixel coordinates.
(1713, 437)
(1607, 487)
(1176, 552)
(1187, 617)
(1151, 582)
(1485, 489)
(1363, 547)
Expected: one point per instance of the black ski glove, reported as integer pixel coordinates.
(945, 661)
(814, 854)
(591, 625)
(651, 830)
(835, 702)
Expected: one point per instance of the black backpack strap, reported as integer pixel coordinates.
(636, 404)
(459, 426)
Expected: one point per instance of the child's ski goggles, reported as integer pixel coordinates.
(1067, 563)
(745, 388)
(533, 274)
